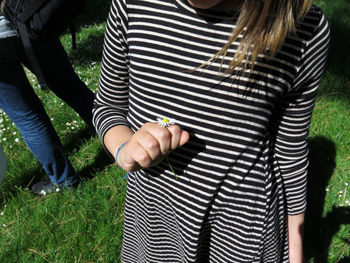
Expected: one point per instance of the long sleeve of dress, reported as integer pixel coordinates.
(292, 118)
(111, 103)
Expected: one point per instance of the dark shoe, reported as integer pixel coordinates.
(45, 187)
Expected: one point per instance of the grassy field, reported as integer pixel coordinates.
(86, 225)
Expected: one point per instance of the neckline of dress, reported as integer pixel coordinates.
(215, 14)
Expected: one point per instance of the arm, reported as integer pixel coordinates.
(111, 103)
(116, 136)
(290, 123)
(151, 142)
(295, 238)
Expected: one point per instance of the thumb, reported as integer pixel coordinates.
(184, 138)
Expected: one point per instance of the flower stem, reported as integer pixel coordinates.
(171, 168)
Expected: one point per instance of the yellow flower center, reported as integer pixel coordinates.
(165, 120)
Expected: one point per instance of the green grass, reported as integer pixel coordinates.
(86, 225)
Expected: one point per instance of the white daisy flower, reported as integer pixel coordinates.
(165, 122)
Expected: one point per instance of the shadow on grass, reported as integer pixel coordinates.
(338, 15)
(88, 50)
(338, 61)
(95, 12)
(75, 140)
(101, 160)
(319, 229)
(344, 260)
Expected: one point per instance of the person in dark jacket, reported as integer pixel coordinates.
(22, 105)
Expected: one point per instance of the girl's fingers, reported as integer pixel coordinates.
(179, 137)
(175, 136)
(134, 157)
(162, 135)
(150, 145)
(184, 138)
(142, 157)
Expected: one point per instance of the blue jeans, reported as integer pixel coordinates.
(21, 104)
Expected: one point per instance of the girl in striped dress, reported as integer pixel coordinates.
(207, 106)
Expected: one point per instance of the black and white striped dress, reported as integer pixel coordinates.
(244, 168)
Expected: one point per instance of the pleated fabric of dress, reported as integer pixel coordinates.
(245, 167)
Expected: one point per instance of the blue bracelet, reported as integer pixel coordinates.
(116, 158)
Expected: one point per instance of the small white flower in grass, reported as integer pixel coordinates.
(346, 184)
(43, 192)
(57, 189)
(3, 225)
(347, 202)
(327, 189)
(4, 139)
(340, 192)
(16, 140)
(14, 133)
(165, 122)
(2, 213)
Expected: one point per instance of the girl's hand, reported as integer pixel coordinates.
(149, 145)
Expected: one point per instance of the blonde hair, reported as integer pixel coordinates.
(264, 25)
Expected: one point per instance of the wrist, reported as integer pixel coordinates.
(117, 155)
(118, 152)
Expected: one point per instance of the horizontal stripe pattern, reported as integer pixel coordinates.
(245, 165)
